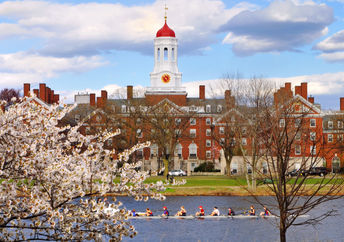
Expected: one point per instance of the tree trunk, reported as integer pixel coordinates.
(165, 161)
(228, 166)
(283, 229)
(254, 181)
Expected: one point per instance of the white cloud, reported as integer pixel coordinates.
(22, 67)
(90, 28)
(332, 48)
(282, 26)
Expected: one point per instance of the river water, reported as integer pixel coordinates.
(250, 229)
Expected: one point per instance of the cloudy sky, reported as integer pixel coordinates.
(76, 46)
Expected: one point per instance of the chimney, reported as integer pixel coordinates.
(56, 98)
(36, 92)
(104, 96)
(93, 99)
(230, 101)
(287, 86)
(311, 100)
(129, 92)
(52, 93)
(26, 89)
(202, 92)
(48, 93)
(42, 92)
(100, 103)
(298, 90)
(342, 104)
(304, 93)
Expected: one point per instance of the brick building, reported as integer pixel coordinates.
(194, 141)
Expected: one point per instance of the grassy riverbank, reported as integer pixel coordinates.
(220, 186)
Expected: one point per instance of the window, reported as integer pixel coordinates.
(139, 133)
(339, 137)
(178, 121)
(193, 151)
(297, 122)
(282, 123)
(138, 121)
(208, 154)
(154, 120)
(158, 54)
(313, 150)
(109, 142)
(340, 124)
(172, 54)
(208, 108)
(192, 133)
(124, 109)
(178, 132)
(219, 108)
(179, 150)
(192, 121)
(154, 149)
(208, 143)
(330, 124)
(222, 141)
(312, 123)
(193, 108)
(165, 54)
(222, 130)
(88, 130)
(243, 141)
(244, 130)
(208, 121)
(330, 138)
(297, 150)
(139, 153)
(298, 136)
(208, 132)
(77, 118)
(312, 136)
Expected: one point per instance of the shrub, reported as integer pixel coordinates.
(205, 167)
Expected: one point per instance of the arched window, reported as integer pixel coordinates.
(158, 54)
(172, 54)
(165, 54)
(179, 150)
(193, 151)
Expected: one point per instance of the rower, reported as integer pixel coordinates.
(166, 213)
(182, 211)
(231, 212)
(148, 212)
(215, 212)
(201, 211)
(266, 212)
(133, 213)
(252, 211)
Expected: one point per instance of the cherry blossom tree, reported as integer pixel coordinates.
(52, 176)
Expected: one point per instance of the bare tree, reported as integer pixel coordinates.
(286, 130)
(8, 94)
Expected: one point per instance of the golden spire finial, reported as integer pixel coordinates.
(166, 11)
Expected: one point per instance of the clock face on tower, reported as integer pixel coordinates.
(165, 78)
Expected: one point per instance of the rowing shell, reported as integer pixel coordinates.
(209, 217)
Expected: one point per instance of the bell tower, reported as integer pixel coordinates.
(166, 77)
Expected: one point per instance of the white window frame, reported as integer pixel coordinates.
(208, 132)
(282, 122)
(221, 130)
(193, 121)
(312, 136)
(297, 150)
(330, 124)
(313, 150)
(340, 137)
(311, 121)
(208, 121)
(208, 154)
(297, 122)
(340, 124)
(139, 133)
(208, 143)
(219, 108)
(298, 136)
(330, 138)
(178, 121)
(124, 108)
(244, 141)
(208, 109)
(193, 133)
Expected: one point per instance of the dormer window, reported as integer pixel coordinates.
(124, 109)
(208, 108)
(219, 108)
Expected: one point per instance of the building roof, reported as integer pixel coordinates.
(165, 31)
